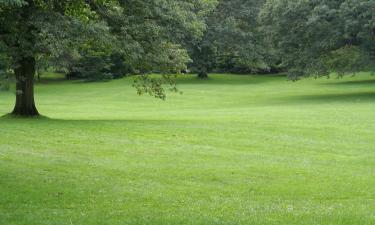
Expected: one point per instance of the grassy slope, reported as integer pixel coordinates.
(230, 150)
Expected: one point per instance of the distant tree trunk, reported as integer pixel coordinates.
(204, 61)
(203, 72)
(202, 75)
(25, 104)
(38, 74)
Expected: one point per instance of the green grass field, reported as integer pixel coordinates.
(229, 150)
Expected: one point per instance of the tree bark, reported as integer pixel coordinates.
(25, 104)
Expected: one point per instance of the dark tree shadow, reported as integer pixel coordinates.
(44, 119)
(10, 116)
(50, 80)
(353, 82)
(234, 79)
(329, 98)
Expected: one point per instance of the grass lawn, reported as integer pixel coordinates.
(229, 150)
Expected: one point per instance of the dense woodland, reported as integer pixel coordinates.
(109, 39)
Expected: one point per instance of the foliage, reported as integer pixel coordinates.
(306, 33)
(93, 66)
(348, 59)
(150, 36)
(4, 72)
(231, 42)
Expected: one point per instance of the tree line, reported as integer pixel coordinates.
(108, 39)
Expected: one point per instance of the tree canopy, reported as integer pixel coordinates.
(320, 37)
(231, 42)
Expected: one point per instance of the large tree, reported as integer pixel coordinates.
(142, 30)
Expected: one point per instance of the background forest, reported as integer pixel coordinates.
(110, 39)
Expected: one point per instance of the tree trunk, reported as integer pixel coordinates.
(38, 75)
(25, 104)
(202, 75)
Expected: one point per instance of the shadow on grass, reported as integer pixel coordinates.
(329, 98)
(229, 79)
(119, 122)
(51, 80)
(353, 82)
(11, 116)
(47, 81)
(214, 79)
